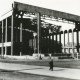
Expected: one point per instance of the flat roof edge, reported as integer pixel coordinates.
(45, 11)
(6, 15)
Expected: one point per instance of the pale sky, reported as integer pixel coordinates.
(69, 6)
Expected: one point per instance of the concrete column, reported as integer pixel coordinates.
(38, 33)
(2, 51)
(6, 37)
(60, 38)
(21, 30)
(51, 43)
(68, 41)
(34, 34)
(73, 41)
(21, 36)
(56, 42)
(64, 41)
(12, 20)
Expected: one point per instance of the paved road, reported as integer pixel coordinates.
(42, 70)
(67, 63)
(6, 75)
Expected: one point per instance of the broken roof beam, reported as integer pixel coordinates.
(44, 11)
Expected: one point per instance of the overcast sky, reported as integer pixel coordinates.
(69, 6)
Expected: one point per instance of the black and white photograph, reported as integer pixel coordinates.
(39, 39)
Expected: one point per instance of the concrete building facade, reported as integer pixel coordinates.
(24, 31)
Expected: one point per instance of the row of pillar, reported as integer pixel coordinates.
(77, 40)
(70, 38)
(12, 34)
(38, 36)
(6, 26)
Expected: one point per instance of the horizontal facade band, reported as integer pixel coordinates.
(5, 44)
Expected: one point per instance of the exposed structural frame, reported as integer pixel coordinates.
(40, 12)
(44, 11)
